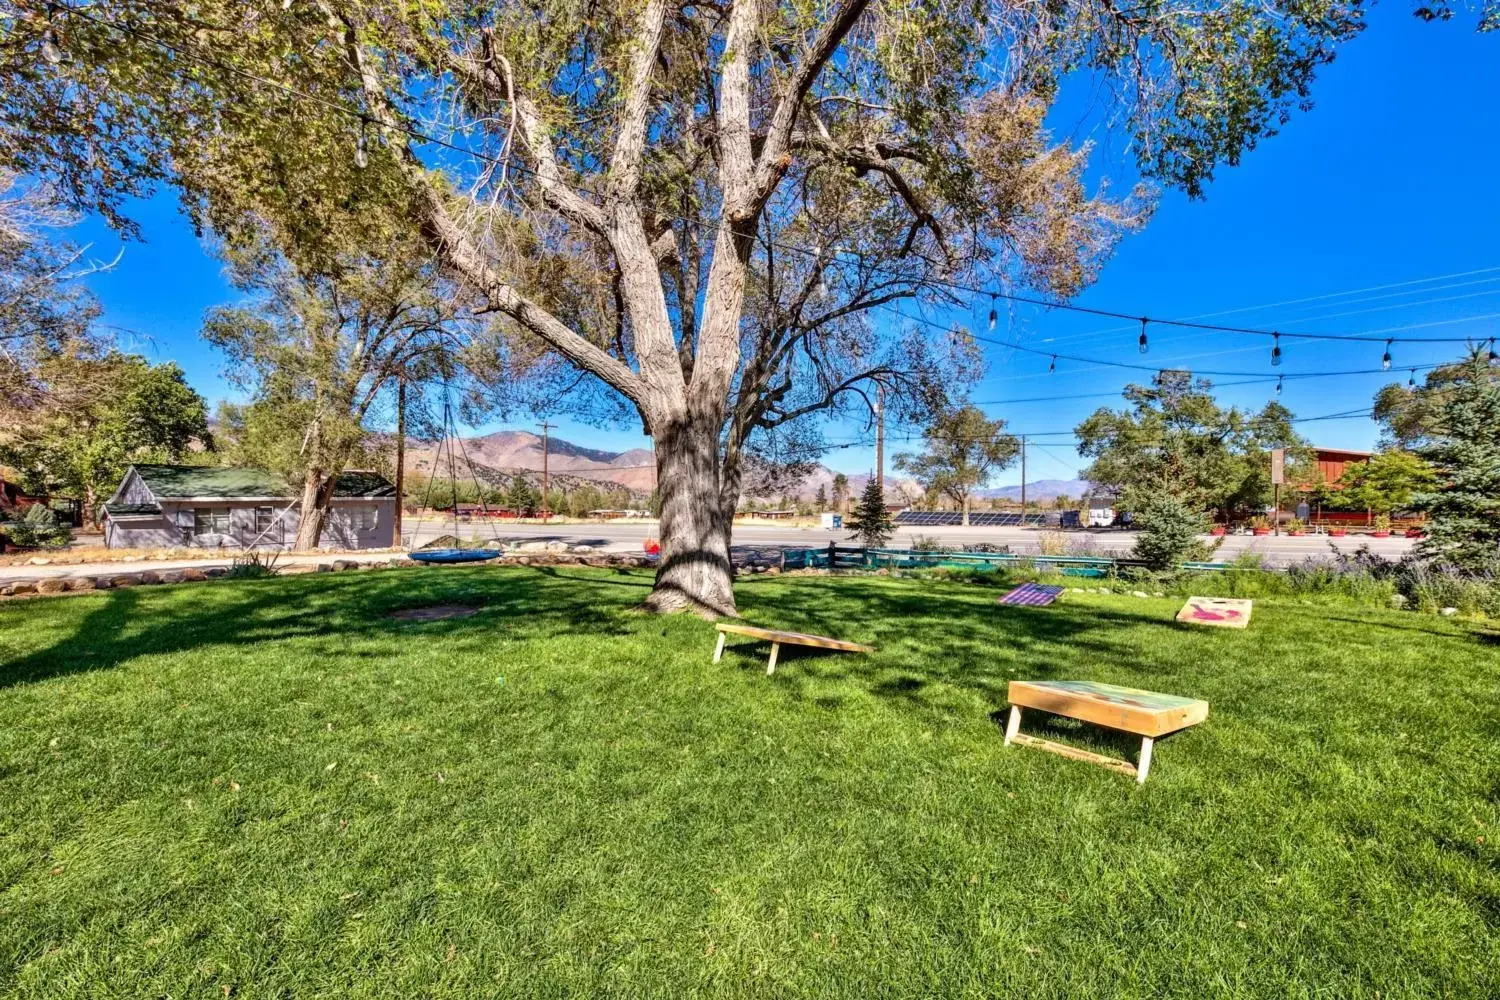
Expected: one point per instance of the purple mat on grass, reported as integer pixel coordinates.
(1033, 594)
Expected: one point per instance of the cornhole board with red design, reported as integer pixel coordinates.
(1144, 713)
(1220, 612)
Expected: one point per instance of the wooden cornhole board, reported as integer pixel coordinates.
(778, 639)
(1145, 713)
(1220, 612)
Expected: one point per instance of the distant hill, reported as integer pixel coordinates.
(509, 452)
(1041, 489)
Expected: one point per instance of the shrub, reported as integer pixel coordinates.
(1431, 587)
(252, 566)
(1169, 532)
(39, 528)
(1052, 543)
(925, 543)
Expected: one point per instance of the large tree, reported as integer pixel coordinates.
(318, 350)
(119, 409)
(964, 448)
(1464, 445)
(45, 307)
(1175, 440)
(695, 205)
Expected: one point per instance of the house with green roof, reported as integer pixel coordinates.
(164, 506)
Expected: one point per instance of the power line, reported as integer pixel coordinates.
(837, 258)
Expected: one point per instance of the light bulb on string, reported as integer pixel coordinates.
(1052, 368)
(50, 51)
(361, 156)
(1142, 339)
(993, 314)
(1493, 356)
(1385, 359)
(1275, 349)
(1278, 384)
(1412, 379)
(822, 280)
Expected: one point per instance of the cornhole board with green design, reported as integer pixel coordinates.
(1220, 612)
(1147, 714)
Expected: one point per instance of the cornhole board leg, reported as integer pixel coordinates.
(771, 664)
(719, 649)
(1014, 725)
(1145, 765)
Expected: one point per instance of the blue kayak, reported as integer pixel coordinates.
(453, 555)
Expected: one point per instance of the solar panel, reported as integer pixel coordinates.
(953, 518)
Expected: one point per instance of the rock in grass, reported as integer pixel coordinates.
(1448, 612)
(126, 580)
(53, 586)
(80, 583)
(21, 587)
(150, 576)
(172, 576)
(194, 574)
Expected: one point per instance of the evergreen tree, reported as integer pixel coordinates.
(869, 522)
(1465, 448)
(821, 502)
(520, 497)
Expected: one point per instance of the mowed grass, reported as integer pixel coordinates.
(273, 789)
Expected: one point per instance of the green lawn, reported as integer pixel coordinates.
(275, 790)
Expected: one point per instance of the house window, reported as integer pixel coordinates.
(367, 518)
(210, 521)
(264, 518)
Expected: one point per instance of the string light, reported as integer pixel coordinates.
(993, 314)
(1052, 368)
(1275, 349)
(1278, 384)
(1412, 379)
(1493, 356)
(1142, 339)
(361, 156)
(1385, 359)
(50, 51)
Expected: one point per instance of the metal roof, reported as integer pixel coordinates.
(198, 482)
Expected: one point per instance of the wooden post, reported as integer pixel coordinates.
(833, 555)
(880, 436)
(1013, 726)
(719, 649)
(771, 664)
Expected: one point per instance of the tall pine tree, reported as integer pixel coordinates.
(869, 521)
(1465, 448)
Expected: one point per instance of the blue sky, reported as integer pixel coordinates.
(1382, 199)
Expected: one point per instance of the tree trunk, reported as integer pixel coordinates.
(695, 573)
(317, 492)
(966, 511)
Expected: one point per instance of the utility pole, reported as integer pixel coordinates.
(400, 456)
(1023, 480)
(880, 436)
(546, 478)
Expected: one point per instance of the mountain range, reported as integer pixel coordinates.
(502, 454)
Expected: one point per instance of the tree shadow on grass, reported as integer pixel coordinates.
(126, 624)
(931, 642)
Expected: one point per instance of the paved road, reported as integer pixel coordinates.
(629, 537)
